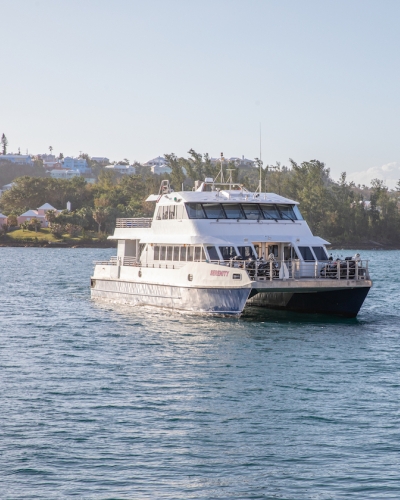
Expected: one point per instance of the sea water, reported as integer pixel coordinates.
(113, 402)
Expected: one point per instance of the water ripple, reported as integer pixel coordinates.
(110, 402)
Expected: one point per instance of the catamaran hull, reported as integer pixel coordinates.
(342, 302)
(203, 301)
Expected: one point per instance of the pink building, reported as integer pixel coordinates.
(3, 219)
(39, 214)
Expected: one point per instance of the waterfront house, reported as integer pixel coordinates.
(39, 214)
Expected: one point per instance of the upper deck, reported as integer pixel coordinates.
(210, 215)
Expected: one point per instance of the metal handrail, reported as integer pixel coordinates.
(262, 270)
(298, 269)
(134, 222)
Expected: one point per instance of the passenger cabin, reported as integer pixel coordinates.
(224, 226)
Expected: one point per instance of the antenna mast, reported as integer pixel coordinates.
(221, 172)
(259, 163)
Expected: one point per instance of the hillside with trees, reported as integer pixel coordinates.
(334, 210)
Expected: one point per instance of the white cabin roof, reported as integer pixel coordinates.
(225, 196)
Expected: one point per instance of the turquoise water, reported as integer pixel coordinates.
(108, 402)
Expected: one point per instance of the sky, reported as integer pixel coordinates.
(137, 79)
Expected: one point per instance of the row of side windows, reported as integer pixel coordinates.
(188, 253)
(252, 211)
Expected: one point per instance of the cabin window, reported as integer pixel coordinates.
(212, 253)
(189, 256)
(169, 252)
(195, 211)
(306, 253)
(183, 254)
(162, 253)
(203, 254)
(197, 254)
(214, 211)
(156, 252)
(176, 253)
(270, 212)
(246, 252)
(160, 213)
(320, 253)
(165, 213)
(233, 211)
(227, 252)
(252, 211)
(172, 212)
(286, 212)
(297, 212)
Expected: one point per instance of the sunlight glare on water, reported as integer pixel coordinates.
(107, 401)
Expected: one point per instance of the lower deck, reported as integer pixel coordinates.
(215, 289)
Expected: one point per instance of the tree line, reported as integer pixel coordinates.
(338, 211)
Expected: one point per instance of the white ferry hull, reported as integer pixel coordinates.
(203, 301)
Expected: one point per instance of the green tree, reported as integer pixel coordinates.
(51, 216)
(177, 176)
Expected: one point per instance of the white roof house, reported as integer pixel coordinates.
(46, 206)
(122, 169)
(64, 174)
(159, 162)
(26, 159)
(30, 213)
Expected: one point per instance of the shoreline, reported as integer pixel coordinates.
(61, 244)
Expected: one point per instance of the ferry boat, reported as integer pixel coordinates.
(220, 248)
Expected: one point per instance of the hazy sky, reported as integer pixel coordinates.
(135, 79)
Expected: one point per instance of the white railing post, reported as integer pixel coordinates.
(356, 271)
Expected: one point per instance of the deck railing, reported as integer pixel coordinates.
(260, 270)
(136, 222)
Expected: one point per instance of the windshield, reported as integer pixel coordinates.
(246, 252)
(227, 252)
(287, 212)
